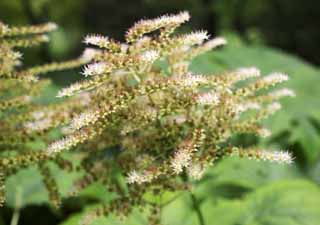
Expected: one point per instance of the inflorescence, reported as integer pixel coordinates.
(141, 114)
(20, 88)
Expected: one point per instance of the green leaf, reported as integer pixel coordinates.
(307, 135)
(285, 202)
(25, 188)
(247, 173)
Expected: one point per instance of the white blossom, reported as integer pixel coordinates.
(88, 54)
(285, 92)
(52, 26)
(247, 106)
(69, 91)
(38, 114)
(150, 56)
(139, 178)
(245, 73)
(196, 171)
(272, 156)
(276, 156)
(85, 98)
(263, 132)
(171, 19)
(275, 78)
(94, 69)
(98, 40)
(62, 144)
(83, 119)
(214, 43)
(197, 37)
(191, 80)
(38, 125)
(209, 98)
(182, 157)
(273, 107)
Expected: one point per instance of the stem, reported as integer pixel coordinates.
(195, 202)
(15, 217)
(196, 207)
(16, 213)
(160, 207)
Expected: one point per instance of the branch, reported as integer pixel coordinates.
(196, 207)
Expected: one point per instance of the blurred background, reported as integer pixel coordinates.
(273, 35)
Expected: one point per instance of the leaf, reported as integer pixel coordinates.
(285, 202)
(136, 218)
(292, 202)
(247, 173)
(307, 135)
(25, 188)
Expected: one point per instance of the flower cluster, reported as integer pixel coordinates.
(142, 115)
(19, 89)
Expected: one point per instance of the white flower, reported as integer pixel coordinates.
(171, 19)
(197, 37)
(84, 98)
(191, 80)
(83, 119)
(38, 114)
(216, 42)
(52, 26)
(208, 99)
(182, 157)
(150, 56)
(62, 144)
(124, 48)
(45, 38)
(196, 171)
(145, 40)
(275, 78)
(263, 132)
(285, 92)
(179, 119)
(272, 156)
(69, 91)
(88, 54)
(277, 156)
(16, 55)
(247, 106)
(94, 69)
(4, 28)
(139, 178)
(273, 107)
(245, 73)
(38, 125)
(98, 40)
